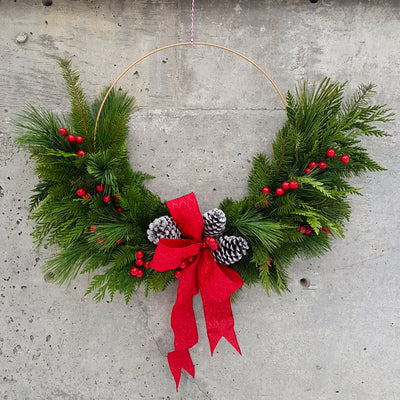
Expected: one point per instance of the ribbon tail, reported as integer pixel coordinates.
(183, 324)
(217, 283)
(179, 360)
(220, 323)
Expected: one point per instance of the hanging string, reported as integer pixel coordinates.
(191, 31)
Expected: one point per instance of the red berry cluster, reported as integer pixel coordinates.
(72, 139)
(330, 153)
(82, 193)
(281, 190)
(106, 199)
(100, 189)
(135, 271)
(307, 230)
(184, 264)
(211, 243)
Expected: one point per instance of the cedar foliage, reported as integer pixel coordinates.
(318, 118)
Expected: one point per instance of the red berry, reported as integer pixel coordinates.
(204, 245)
(134, 271)
(106, 199)
(214, 246)
(100, 240)
(139, 262)
(294, 185)
(120, 210)
(119, 241)
(285, 185)
(212, 241)
(79, 139)
(63, 131)
(139, 273)
(345, 159)
(139, 254)
(191, 259)
(147, 264)
(80, 153)
(71, 138)
(178, 274)
(183, 265)
(266, 190)
(312, 164)
(81, 192)
(307, 170)
(93, 228)
(330, 153)
(280, 192)
(308, 230)
(99, 188)
(87, 196)
(322, 165)
(302, 228)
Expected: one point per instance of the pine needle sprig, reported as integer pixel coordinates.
(113, 124)
(81, 118)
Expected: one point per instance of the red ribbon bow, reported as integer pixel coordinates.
(215, 282)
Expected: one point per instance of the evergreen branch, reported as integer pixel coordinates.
(77, 98)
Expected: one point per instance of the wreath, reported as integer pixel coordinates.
(102, 218)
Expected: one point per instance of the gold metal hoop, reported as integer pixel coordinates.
(178, 45)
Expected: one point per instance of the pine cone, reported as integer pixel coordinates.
(231, 249)
(214, 223)
(163, 227)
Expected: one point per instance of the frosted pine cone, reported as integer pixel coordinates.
(231, 249)
(214, 223)
(163, 227)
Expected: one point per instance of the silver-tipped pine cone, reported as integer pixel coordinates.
(214, 223)
(231, 249)
(163, 227)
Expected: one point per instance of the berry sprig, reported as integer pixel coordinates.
(72, 139)
(183, 265)
(305, 229)
(106, 198)
(139, 262)
(330, 153)
(280, 191)
(308, 230)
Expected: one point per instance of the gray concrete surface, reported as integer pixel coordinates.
(340, 339)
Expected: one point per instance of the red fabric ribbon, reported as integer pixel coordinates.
(215, 282)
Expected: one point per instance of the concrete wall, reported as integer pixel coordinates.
(339, 339)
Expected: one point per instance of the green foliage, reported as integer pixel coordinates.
(80, 118)
(95, 238)
(112, 129)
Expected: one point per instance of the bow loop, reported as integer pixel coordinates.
(186, 213)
